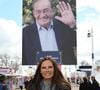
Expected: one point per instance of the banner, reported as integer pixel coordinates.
(56, 55)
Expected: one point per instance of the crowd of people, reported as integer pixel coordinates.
(48, 76)
(89, 83)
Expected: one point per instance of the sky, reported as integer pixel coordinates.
(88, 17)
(10, 27)
(11, 10)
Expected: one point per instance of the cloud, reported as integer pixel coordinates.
(88, 17)
(10, 37)
(88, 3)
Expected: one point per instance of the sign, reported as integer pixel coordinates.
(5, 70)
(85, 68)
(56, 55)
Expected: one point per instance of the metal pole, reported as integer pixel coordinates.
(92, 47)
(92, 50)
(90, 34)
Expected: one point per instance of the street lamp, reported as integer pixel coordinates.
(90, 34)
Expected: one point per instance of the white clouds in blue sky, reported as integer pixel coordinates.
(10, 27)
(88, 17)
(10, 38)
(11, 9)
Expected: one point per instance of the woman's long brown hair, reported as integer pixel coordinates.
(57, 79)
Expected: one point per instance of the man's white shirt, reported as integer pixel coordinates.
(47, 38)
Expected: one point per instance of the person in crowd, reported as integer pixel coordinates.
(48, 77)
(26, 82)
(3, 86)
(95, 84)
(21, 84)
(85, 85)
(49, 33)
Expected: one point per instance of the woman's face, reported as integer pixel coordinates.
(47, 70)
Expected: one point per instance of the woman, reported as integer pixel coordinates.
(48, 77)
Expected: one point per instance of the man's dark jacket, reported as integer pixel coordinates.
(65, 37)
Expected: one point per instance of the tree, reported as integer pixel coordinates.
(4, 60)
(15, 65)
(27, 11)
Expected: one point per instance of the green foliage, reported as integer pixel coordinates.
(27, 9)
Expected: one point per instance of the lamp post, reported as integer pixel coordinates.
(90, 34)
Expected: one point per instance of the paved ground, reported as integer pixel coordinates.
(75, 87)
